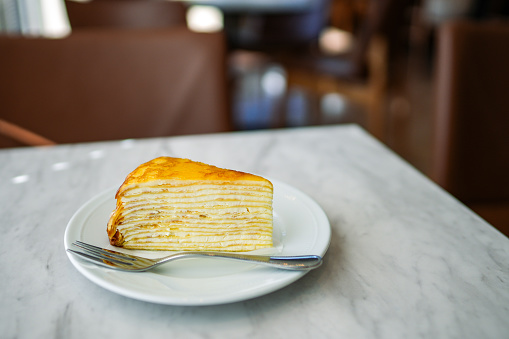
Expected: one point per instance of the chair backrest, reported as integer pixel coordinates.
(115, 84)
(471, 155)
(125, 14)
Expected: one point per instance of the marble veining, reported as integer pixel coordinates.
(406, 260)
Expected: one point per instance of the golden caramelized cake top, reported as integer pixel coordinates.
(168, 168)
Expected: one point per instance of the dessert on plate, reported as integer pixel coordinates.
(178, 204)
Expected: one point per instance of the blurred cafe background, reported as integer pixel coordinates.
(428, 78)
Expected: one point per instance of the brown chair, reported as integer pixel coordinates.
(362, 74)
(113, 84)
(125, 14)
(471, 153)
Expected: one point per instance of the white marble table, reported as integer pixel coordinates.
(406, 260)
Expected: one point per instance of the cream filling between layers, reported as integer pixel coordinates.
(181, 186)
(193, 215)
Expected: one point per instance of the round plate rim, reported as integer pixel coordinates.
(289, 276)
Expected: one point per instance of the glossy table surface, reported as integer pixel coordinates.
(406, 260)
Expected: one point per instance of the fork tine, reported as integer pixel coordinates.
(102, 251)
(105, 255)
(105, 261)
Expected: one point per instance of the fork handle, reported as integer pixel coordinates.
(296, 263)
(302, 262)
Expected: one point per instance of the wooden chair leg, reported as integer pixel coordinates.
(378, 64)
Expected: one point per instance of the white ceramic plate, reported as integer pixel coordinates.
(300, 227)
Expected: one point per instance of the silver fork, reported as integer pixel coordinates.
(128, 262)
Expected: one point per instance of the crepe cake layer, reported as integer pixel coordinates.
(178, 204)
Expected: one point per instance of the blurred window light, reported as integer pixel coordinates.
(333, 105)
(127, 143)
(46, 18)
(335, 41)
(54, 19)
(274, 81)
(60, 166)
(20, 179)
(204, 19)
(97, 154)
